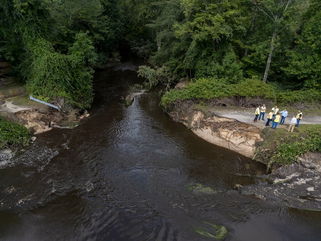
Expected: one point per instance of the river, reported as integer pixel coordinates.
(132, 174)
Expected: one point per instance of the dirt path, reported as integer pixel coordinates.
(247, 116)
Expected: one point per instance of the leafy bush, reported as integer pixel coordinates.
(282, 147)
(307, 140)
(12, 134)
(201, 89)
(309, 95)
(159, 76)
(207, 88)
(254, 88)
(55, 75)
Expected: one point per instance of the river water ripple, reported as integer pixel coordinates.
(132, 174)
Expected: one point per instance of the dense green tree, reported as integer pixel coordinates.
(278, 17)
(305, 58)
(196, 38)
(55, 75)
(55, 44)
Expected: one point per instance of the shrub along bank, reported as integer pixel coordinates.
(12, 134)
(281, 147)
(206, 89)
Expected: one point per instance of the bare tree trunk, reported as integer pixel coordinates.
(269, 60)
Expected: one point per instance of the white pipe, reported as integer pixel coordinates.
(45, 103)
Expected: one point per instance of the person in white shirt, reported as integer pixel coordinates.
(292, 124)
(284, 115)
(275, 110)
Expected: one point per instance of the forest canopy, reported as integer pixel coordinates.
(55, 45)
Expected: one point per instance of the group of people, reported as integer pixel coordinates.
(276, 117)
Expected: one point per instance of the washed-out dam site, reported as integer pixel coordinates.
(131, 173)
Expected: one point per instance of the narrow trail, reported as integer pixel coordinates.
(247, 116)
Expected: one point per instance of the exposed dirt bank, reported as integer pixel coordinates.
(38, 118)
(297, 185)
(225, 132)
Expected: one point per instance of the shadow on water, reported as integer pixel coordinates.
(132, 174)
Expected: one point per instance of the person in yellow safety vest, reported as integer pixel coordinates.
(269, 118)
(276, 120)
(299, 117)
(275, 110)
(257, 113)
(262, 112)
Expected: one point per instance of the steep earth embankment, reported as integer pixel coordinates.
(225, 132)
(297, 185)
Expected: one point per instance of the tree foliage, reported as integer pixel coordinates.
(54, 44)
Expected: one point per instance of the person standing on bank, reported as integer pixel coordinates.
(269, 118)
(257, 114)
(275, 110)
(262, 112)
(284, 115)
(299, 117)
(276, 121)
(292, 124)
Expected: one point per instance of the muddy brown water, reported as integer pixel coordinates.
(132, 174)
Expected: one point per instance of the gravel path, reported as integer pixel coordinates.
(245, 115)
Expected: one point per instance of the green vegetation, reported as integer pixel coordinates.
(12, 134)
(206, 89)
(199, 188)
(213, 231)
(55, 45)
(53, 74)
(281, 147)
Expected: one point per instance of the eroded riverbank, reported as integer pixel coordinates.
(292, 182)
(132, 174)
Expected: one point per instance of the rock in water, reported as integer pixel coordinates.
(297, 185)
(5, 156)
(129, 100)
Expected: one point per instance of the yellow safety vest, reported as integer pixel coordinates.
(299, 117)
(270, 115)
(277, 118)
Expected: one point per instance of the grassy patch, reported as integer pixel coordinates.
(199, 188)
(213, 231)
(205, 89)
(12, 134)
(281, 147)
